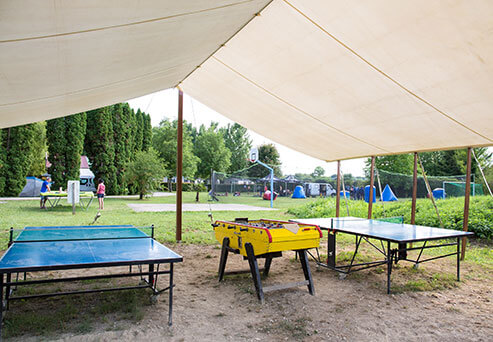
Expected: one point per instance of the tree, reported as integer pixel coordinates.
(397, 163)
(269, 155)
(39, 149)
(238, 141)
(99, 147)
(318, 172)
(120, 114)
(65, 139)
(212, 152)
(164, 141)
(146, 132)
(17, 145)
(139, 130)
(145, 171)
(3, 165)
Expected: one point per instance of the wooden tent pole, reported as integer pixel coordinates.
(465, 222)
(370, 198)
(179, 167)
(415, 189)
(430, 193)
(338, 186)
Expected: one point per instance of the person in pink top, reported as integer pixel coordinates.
(100, 193)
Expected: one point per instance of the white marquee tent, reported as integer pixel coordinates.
(332, 79)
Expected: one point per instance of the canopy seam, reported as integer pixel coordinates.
(384, 74)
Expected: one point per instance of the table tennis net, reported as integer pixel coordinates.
(73, 233)
(393, 219)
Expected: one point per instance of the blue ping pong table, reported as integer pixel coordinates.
(37, 249)
(397, 233)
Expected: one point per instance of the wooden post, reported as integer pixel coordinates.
(465, 222)
(372, 175)
(338, 187)
(179, 166)
(415, 189)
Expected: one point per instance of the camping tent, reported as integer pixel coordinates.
(32, 187)
(367, 193)
(388, 194)
(298, 192)
(438, 193)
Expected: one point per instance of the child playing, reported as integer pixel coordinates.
(45, 187)
(100, 193)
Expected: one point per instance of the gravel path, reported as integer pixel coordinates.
(197, 207)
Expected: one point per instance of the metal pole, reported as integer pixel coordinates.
(372, 175)
(415, 189)
(272, 188)
(179, 166)
(338, 187)
(465, 222)
(482, 173)
(73, 197)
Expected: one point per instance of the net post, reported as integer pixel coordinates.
(338, 187)
(11, 236)
(152, 231)
(370, 198)
(465, 222)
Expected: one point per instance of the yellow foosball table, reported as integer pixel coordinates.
(267, 239)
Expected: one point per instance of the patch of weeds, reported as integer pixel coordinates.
(220, 314)
(437, 281)
(295, 329)
(347, 256)
(208, 256)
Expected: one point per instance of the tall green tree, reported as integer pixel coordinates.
(212, 151)
(99, 147)
(139, 130)
(164, 141)
(238, 141)
(398, 163)
(120, 114)
(17, 149)
(65, 140)
(146, 132)
(3, 165)
(145, 171)
(269, 155)
(318, 172)
(39, 150)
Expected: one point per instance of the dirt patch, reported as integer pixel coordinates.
(354, 309)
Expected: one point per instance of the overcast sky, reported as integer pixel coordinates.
(164, 104)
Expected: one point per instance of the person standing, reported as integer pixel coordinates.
(100, 193)
(45, 187)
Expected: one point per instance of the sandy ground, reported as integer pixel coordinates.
(196, 207)
(353, 309)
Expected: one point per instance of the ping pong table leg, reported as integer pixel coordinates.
(389, 266)
(1, 304)
(151, 277)
(224, 258)
(7, 291)
(458, 259)
(252, 260)
(170, 305)
(331, 249)
(306, 271)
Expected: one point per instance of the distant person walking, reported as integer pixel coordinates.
(100, 193)
(45, 187)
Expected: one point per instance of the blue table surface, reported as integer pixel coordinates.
(54, 233)
(86, 252)
(383, 230)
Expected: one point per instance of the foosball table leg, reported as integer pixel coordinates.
(306, 270)
(252, 260)
(224, 258)
(268, 261)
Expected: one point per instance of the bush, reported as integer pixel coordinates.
(451, 212)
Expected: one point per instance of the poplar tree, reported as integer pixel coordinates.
(3, 165)
(55, 135)
(139, 130)
(146, 132)
(17, 151)
(99, 147)
(121, 135)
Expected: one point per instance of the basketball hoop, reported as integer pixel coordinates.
(253, 157)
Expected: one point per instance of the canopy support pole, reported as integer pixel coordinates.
(380, 189)
(370, 198)
(338, 187)
(465, 222)
(415, 191)
(179, 167)
(430, 193)
(344, 192)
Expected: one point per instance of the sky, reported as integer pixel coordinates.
(164, 104)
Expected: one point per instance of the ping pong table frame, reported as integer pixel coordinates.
(10, 285)
(391, 255)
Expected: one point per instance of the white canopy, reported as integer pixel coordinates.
(333, 79)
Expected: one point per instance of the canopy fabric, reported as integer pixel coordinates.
(63, 57)
(345, 79)
(332, 79)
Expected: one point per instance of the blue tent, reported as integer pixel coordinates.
(438, 193)
(388, 194)
(298, 192)
(348, 194)
(367, 193)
